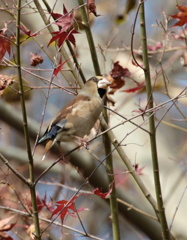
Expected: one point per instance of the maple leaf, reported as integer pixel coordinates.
(182, 16)
(6, 226)
(39, 202)
(99, 193)
(121, 178)
(5, 81)
(35, 59)
(92, 7)
(63, 36)
(118, 73)
(4, 45)
(155, 47)
(27, 32)
(65, 21)
(47, 205)
(63, 208)
(117, 84)
(139, 87)
(138, 170)
(59, 67)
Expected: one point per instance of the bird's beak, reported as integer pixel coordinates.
(104, 83)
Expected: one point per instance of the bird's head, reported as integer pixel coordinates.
(102, 82)
(96, 84)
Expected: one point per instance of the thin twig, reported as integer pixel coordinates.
(19, 175)
(130, 206)
(132, 38)
(26, 214)
(177, 208)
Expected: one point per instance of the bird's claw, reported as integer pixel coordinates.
(85, 144)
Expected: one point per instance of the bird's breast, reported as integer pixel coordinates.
(84, 116)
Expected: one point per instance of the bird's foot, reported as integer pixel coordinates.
(85, 144)
(83, 141)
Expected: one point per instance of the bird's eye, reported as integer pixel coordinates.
(94, 79)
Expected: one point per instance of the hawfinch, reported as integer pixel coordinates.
(78, 117)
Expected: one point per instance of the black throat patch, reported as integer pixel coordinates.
(101, 92)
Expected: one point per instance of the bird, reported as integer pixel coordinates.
(79, 116)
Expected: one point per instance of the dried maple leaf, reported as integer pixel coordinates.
(5, 236)
(117, 84)
(4, 45)
(6, 226)
(5, 81)
(92, 7)
(182, 16)
(118, 73)
(35, 59)
(31, 231)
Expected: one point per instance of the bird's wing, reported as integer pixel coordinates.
(59, 122)
(52, 131)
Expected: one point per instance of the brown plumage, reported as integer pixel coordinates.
(78, 117)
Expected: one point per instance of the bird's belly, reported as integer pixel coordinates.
(85, 120)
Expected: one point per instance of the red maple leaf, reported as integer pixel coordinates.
(64, 207)
(99, 193)
(47, 205)
(61, 36)
(65, 21)
(40, 204)
(4, 45)
(131, 90)
(59, 67)
(27, 32)
(138, 170)
(182, 16)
